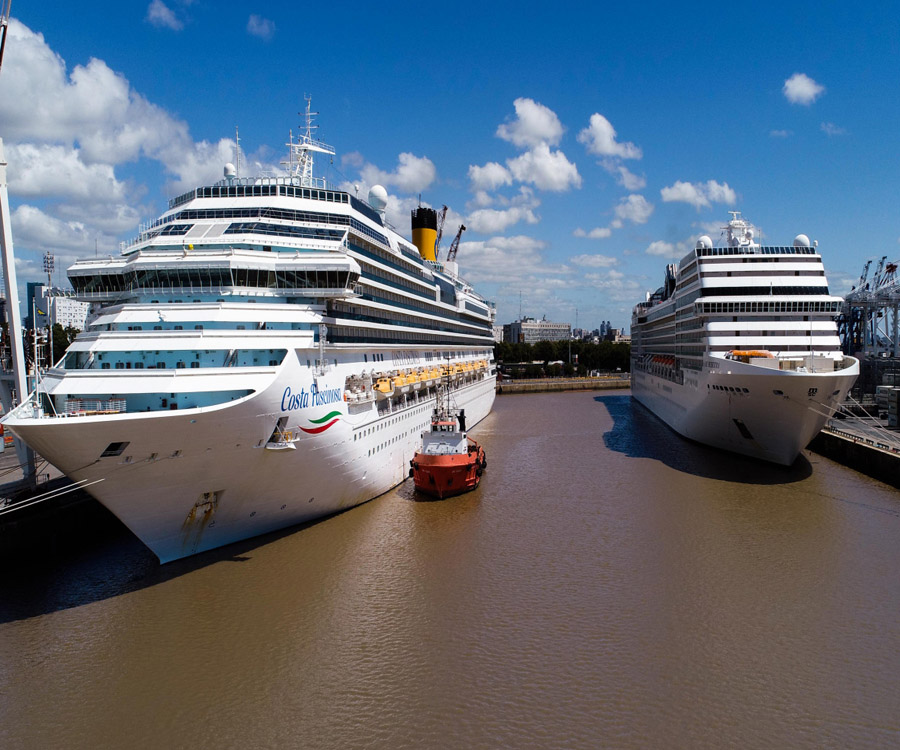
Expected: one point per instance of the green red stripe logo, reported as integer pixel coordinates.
(322, 422)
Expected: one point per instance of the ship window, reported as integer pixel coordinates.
(114, 449)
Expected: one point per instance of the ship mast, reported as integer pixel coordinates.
(300, 160)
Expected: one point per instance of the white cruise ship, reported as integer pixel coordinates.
(739, 348)
(266, 352)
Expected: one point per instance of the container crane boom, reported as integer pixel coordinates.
(454, 246)
(440, 232)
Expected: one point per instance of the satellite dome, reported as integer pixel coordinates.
(801, 240)
(229, 170)
(704, 243)
(378, 197)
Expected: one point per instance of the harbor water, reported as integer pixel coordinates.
(609, 584)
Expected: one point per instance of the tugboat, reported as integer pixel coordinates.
(449, 462)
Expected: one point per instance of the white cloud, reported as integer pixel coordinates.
(413, 173)
(535, 124)
(545, 169)
(481, 200)
(600, 139)
(260, 27)
(489, 177)
(801, 89)
(42, 233)
(830, 129)
(57, 171)
(594, 260)
(161, 16)
(493, 221)
(634, 208)
(598, 233)
(629, 180)
(780, 133)
(106, 218)
(201, 164)
(664, 249)
(93, 107)
(699, 194)
(504, 260)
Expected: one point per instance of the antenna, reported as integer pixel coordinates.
(520, 304)
(237, 152)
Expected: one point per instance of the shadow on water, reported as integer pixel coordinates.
(638, 433)
(59, 576)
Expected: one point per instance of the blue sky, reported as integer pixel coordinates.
(584, 146)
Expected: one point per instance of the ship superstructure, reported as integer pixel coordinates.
(739, 347)
(266, 352)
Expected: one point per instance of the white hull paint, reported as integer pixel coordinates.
(774, 419)
(196, 479)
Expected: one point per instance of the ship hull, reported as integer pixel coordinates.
(448, 475)
(759, 412)
(198, 479)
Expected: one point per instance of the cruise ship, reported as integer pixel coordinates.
(739, 347)
(265, 353)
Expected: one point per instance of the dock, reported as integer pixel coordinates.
(544, 385)
(55, 514)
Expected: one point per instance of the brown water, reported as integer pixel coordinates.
(608, 585)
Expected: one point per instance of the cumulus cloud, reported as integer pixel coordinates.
(801, 89)
(260, 27)
(664, 249)
(42, 232)
(600, 138)
(534, 124)
(493, 220)
(593, 260)
(699, 194)
(58, 172)
(489, 177)
(629, 180)
(545, 169)
(501, 259)
(780, 133)
(160, 15)
(830, 129)
(413, 173)
(634, 208)
(598, 233)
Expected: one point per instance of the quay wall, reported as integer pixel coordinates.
(563, 384)
(866, 456)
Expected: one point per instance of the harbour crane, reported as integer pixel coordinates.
(454, 246)
(440, 232)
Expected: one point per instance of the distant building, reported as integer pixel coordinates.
(498, 333)
(65, 311)
(530, 331)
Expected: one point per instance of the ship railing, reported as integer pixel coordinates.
(79, 407)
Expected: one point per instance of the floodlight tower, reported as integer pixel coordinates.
(49, 264)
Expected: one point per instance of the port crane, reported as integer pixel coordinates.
(454, 246)
(440, 232)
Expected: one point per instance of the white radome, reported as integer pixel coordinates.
(378, 197)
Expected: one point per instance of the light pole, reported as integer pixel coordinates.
(49, 264)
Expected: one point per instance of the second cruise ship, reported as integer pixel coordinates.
(739, 348)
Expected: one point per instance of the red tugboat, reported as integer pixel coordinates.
(450, 462)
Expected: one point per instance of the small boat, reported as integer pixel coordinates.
(449, 462)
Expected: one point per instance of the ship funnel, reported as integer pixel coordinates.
(424, 231)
